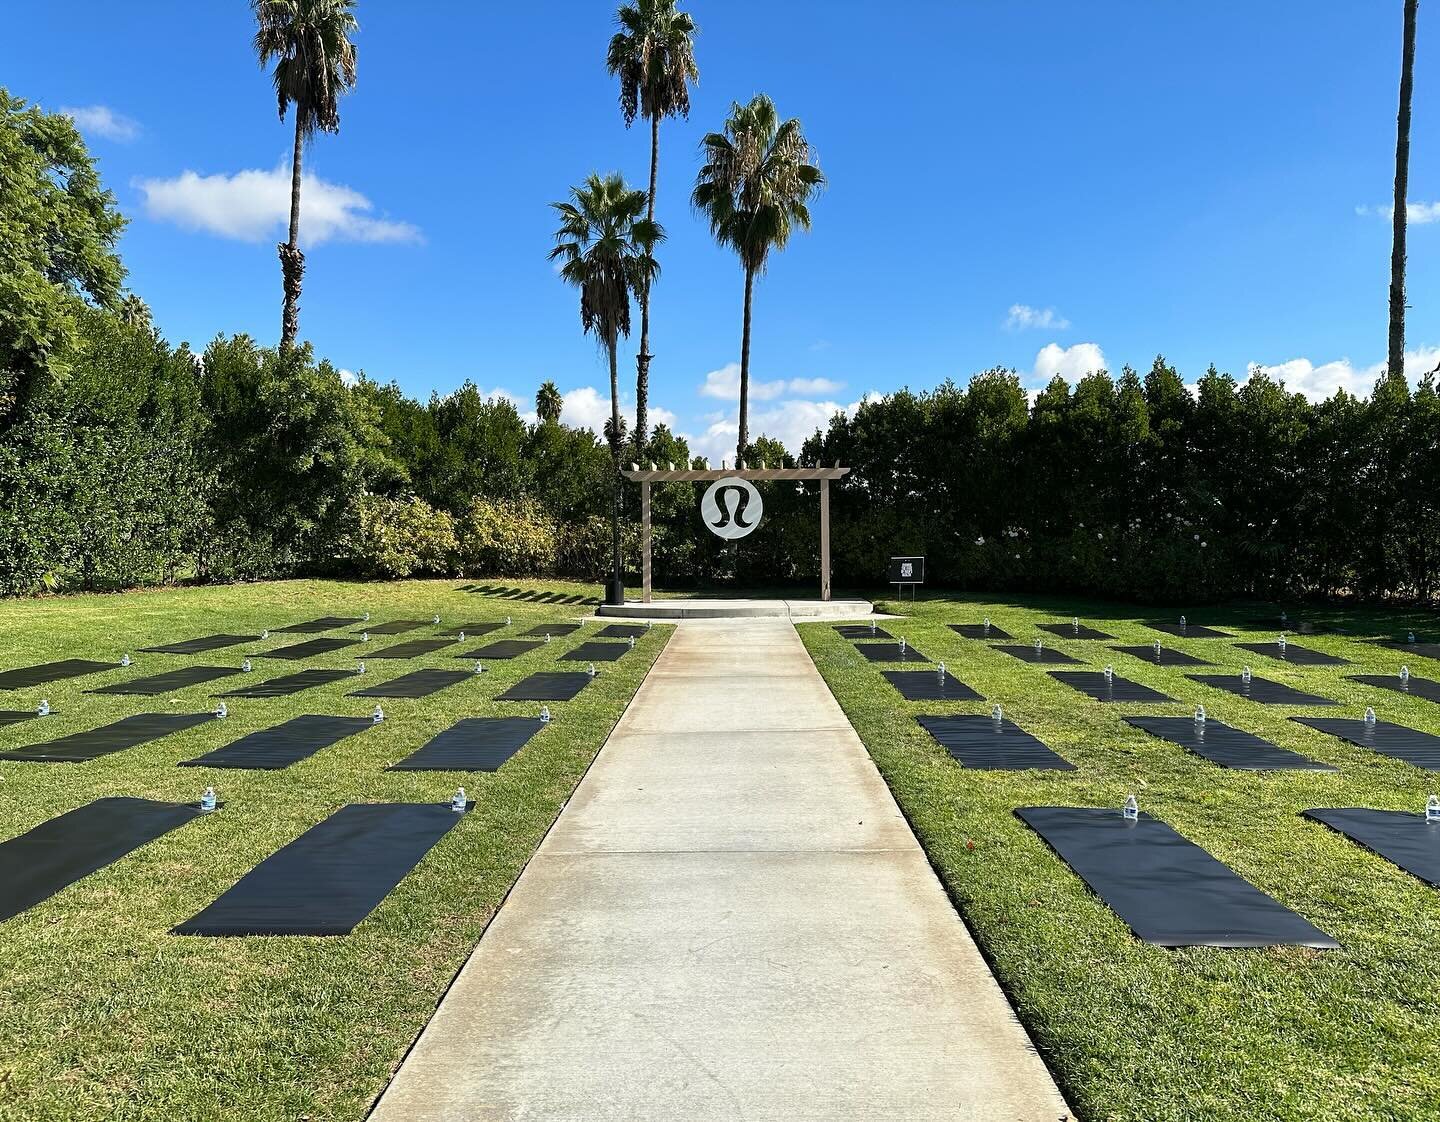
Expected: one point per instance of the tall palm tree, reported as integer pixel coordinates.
(755, 188)
(309, 40)
(1402, 191)
(549, 403)
(606, 247)
(653, 55)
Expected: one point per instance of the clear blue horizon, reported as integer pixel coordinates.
(1044, 186)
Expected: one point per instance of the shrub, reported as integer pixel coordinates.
(403, 538)
(507, 538)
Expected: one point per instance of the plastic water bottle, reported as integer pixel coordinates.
(545, 714)
(1109, 673)
(1432, 809)
(207, 800)
(902, 644)
(507, 621)
(1131, 810)
(987, 623)
(435, 620)
(1182, 623)
(547, 636)
(632, 642)
(43, 709)
(591, 670)
(360, 667)
(479, 667)
(1281, 642)
(246, 666)
(1158, 649)
(873, 627)
(365, 637)
(1039, 646)
(1369, 714)
(1199, 714)
(1404, 675)
(221, 711)
(997, 714)
(461, 639)
(1245, 675)
(264, 634)
(1075, 623)
(458, 800)
(367, 617)
(648, 625)
(378, 715)
(125, 660)
(940, 670)
(1409, 636)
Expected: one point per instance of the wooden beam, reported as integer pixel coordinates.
(824, 539)
(709, 475)
(645, 541)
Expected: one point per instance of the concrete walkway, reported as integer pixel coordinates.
(730, 920)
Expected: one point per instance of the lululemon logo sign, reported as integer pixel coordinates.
(731, 507)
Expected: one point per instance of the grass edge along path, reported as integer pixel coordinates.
(1133, 1031)
(105, 1015)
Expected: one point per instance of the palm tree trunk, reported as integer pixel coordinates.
(292, 261)
(616, 593)
(642, 360)
(743, 438)
(1402, 185)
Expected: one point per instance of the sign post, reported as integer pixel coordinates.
(723, 510)
(907, 570)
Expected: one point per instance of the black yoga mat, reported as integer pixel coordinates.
(1424, 650)
(26, 676)
(1422, 749)
(889, 652)
(1168, 890)
(309, 648)
(504, 648)
(861, 631)
(57, 853)
(980, 631)
(473, 744)
(930, 685)
(1411, 687)
(15, 716)
(1189, 630)
(475, 630)
(1043, 655)
(1260, 690)
(1402, 839)
(332, 876)
(288, 684)
(983, 742)
(171, 680)
(553, 629)
(128, 732)
(1070, 631)
(1166, 657)
(394, 627)
(621, 631)
(414, 648)
(312, 627)
(1226, 746)
(596, 652)
(1298, 656)
(418, 683)
(547, 687)
(1093, 682)
(284, 744)
(201, 645)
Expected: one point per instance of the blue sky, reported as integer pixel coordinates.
(1209, 181)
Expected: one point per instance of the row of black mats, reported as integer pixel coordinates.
(1167, 889)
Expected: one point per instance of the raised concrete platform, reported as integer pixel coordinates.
(661, 610)
(730, 920)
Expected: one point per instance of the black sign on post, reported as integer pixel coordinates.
(907, 570)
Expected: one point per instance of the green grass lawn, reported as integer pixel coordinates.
(104, 1014)
(1130, 1030)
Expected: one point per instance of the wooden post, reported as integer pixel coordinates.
(824, 539)
(645, 541)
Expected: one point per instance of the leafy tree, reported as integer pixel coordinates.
(549, 403)
(653, 55)
(606, 250)
(58, 231)
(479, 450)
(754, 189)
(1396, 350)
(309, 42)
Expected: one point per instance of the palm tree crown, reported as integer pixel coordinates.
(309, 41)
(653, 55)
(757, 181)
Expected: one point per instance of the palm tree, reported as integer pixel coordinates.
(755, 188)
(607, 250)
(314, 64)
(1402, 190)
(549, 404)
(653, 55)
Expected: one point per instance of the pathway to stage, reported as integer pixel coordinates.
(729, 920)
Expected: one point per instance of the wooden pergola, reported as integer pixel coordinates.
(648, 475)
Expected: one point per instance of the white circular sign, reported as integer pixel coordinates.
(731, 508)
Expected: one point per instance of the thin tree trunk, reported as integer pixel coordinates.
(642, 360)
(292, 261)
(743, 438)
(1402, 192)
(617, 569)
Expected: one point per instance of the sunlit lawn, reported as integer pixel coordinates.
(1133, 1031)
(104, 1014)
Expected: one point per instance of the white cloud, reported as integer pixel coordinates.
(725, 384)
(1317, 383)
(790, 422)
(254, 205)
(102, 121)
(1418, 214)
(1023, 317)
(349, 377)
(1071, 363)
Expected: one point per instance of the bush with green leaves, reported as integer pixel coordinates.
(399, 538)
(507, 538)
